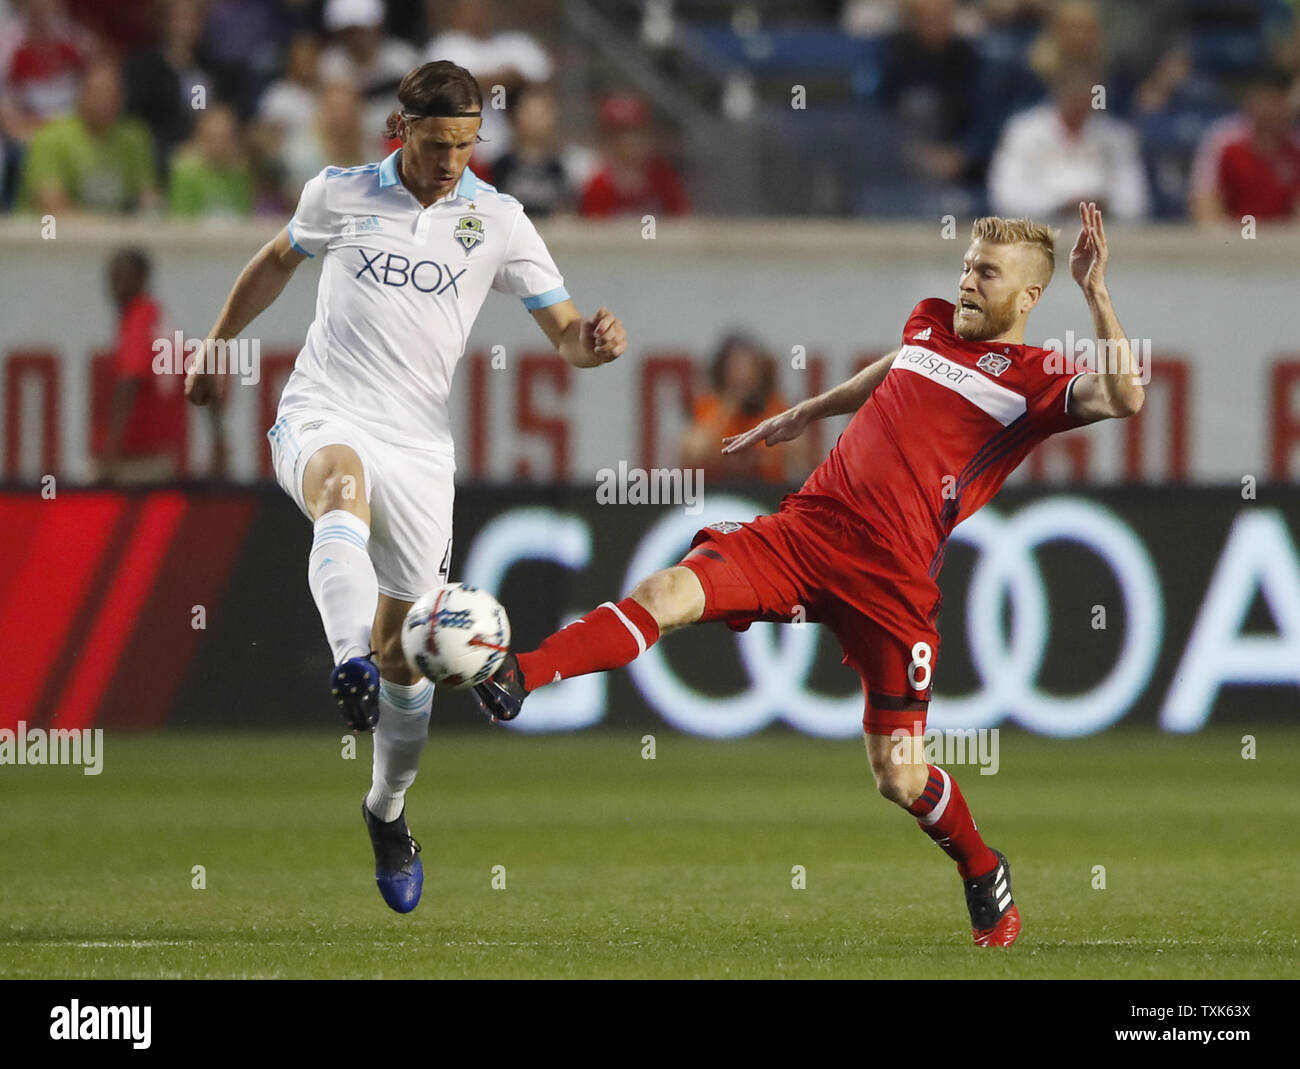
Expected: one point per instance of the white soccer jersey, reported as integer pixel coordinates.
(400, 288)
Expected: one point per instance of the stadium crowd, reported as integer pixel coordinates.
(224, 108)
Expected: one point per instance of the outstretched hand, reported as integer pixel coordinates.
(1089, 256)
(783, 427)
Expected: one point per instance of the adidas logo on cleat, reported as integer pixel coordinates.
(1002, 889)
(994, 918)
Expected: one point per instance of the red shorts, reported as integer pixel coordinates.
(814, 562)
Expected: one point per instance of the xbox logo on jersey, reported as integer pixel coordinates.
(394, 269)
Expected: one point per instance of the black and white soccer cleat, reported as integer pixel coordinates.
(994, 918)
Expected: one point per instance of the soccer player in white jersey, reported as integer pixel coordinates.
(362, 440)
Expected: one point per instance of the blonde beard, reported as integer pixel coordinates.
(994, 324)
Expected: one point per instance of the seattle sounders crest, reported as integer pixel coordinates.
(469, 232)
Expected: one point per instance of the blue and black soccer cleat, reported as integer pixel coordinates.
(355, 684)
(502, 696)
(398, 869)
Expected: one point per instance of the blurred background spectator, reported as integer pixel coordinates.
(534, 171)
(337, 136)
(242, 43)
(469, 36)
(927, 74)
(286, 117)
(94, 159)
(1249, 163)
(1072, 40)
(165, 82)
(142, 436)
(363, 57)
(211, 178)
(742, 392)
(1038, 43)
(290, 101)
(634, 177)
(1064, 151)
(42, 57)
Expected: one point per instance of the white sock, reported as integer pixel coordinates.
(342, 580)
(399, 740)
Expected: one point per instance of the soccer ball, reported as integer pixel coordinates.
(456, 635)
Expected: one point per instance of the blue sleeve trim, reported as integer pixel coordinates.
(296, 247)
(545, 300)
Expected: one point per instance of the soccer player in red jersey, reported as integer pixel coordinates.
(940, 423)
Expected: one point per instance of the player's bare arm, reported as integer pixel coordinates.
(1115, 390)
(582, 342)
(257, 287)
(841, 400)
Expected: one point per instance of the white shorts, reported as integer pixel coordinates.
(410, 493)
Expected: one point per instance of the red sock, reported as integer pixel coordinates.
(609, 636)
(943, 814)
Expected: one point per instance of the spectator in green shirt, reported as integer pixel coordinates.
(93, 160)
(211, 177)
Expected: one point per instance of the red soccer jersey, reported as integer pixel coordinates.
(939, 436)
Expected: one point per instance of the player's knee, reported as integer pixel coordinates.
(672, 596)
(902, 785)
(334, 480)
(338, 490)
(900, 776)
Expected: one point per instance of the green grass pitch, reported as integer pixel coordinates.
(617, 866)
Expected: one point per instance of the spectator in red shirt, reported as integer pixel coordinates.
(1249, 164)
(633, 178)
(145, 439)
(40, 70)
